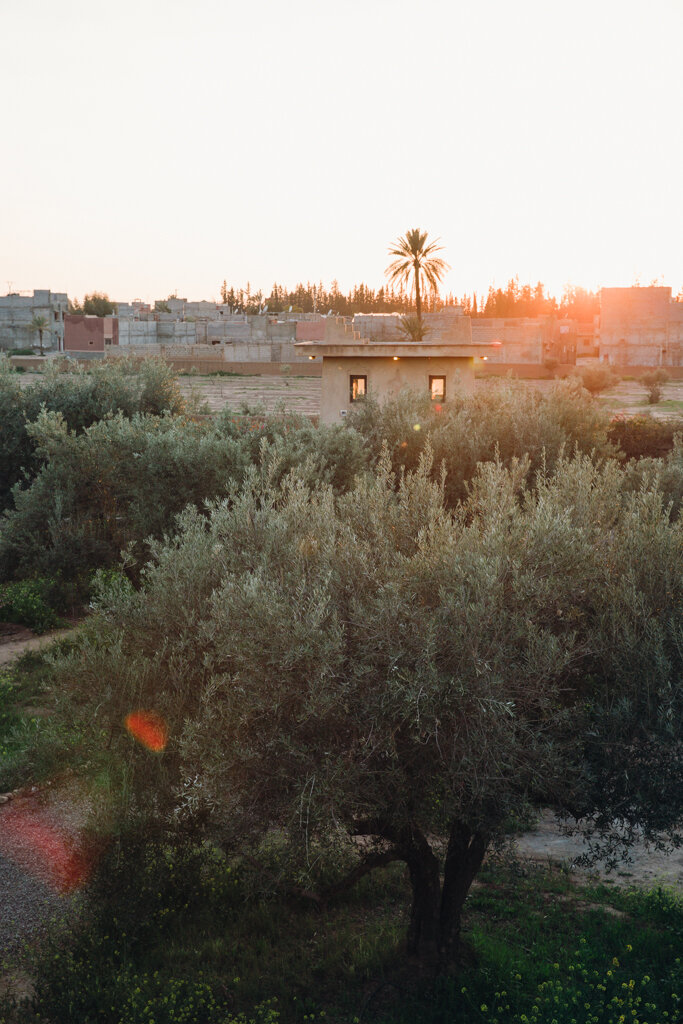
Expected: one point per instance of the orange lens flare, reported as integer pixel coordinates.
(38, 847)
(148, 728)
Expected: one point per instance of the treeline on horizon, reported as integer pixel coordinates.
(515, 300)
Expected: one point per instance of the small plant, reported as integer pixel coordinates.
(597, 379)
(413, 328)
(653, 381)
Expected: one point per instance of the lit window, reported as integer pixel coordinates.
(358, 387)
(437, 389)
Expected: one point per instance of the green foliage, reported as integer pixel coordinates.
(664, 473)
(412, 328)
(652, 381)
(28, 602)
(505, 421)
(122, 480)
(94, 304)
(34, 740)
(644, 436)
(82, 397)
(378, 658)
(597, 378)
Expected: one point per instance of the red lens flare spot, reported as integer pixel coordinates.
(404, 444)
(41, 849)
(148, 728)
(437, 408)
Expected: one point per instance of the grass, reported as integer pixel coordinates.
(34, 743)
(190, 926)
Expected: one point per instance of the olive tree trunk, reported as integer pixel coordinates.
(436, 912)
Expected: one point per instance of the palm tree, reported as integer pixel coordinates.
(416, 258)
(40, 324)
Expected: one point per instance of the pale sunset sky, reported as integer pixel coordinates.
(150, 146)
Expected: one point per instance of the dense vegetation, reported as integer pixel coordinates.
(379, 644)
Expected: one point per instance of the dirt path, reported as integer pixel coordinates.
(16, 640)
(647, 867)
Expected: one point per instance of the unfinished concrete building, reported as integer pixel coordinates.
(20, 317)
(640, 327)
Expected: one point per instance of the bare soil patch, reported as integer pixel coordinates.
(16, 640)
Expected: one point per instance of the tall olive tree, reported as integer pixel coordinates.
(392, 676)
(416, 259)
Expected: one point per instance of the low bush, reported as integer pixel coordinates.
(82, 396)
(644, 436)
(597, 379)
(28, 602)
(653, 381)
(506, 420)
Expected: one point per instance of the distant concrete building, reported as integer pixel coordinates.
(353, 366)
(17, 312)
(511, 340)
(519, 339)
(640, 327)
(88, 337)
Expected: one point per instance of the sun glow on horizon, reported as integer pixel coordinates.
(284, 144)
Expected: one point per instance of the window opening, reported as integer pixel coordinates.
(437, 389)
(358, 386)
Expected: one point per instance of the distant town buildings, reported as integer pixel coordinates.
(636, 327)
(640, 327)
(21, 316)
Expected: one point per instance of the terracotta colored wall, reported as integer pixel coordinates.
(310, 330)
(83, 334)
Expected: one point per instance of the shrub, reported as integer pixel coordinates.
(504, 420)
(115, 484)
(644, 436)
(28, 602)
(597, 378)
(83, 397)
(652, 382)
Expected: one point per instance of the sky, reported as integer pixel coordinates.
(150, 147)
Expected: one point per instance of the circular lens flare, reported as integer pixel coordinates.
(148, 728)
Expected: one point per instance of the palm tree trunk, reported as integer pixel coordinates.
(418, 300)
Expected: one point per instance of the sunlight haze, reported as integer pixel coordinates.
(154, 146)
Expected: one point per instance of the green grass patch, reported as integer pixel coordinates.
(35, 743)
(180, 934)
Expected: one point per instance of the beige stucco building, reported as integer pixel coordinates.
(355, 367)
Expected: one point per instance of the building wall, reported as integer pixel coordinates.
(386, 377)
(522, 339)
(640, 327)
(17, 312)
(449, 326)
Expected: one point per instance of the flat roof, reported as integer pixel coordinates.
(403, 349)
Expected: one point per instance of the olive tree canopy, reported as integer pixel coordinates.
(385, 673)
